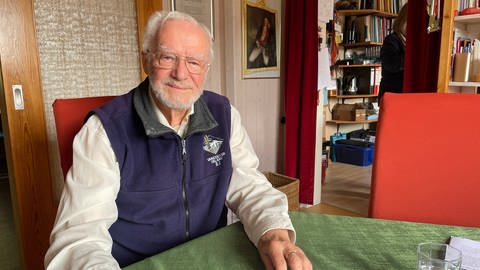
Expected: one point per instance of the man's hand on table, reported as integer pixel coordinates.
(279, 253)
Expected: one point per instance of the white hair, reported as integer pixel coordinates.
(157, 21)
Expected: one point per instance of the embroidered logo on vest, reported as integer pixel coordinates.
(211, 144)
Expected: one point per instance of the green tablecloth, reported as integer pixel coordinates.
(331, 242)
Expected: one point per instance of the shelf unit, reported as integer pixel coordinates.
(465, 26)
(365, 62)
(338, 122)
(362, 49)
(343, 98)
(359, 66)
(361, 12)
(366, 56)
(361, 44)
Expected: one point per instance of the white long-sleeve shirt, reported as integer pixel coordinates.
(80, 237)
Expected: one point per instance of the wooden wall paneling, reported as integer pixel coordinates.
(25, 132)
(145, 8)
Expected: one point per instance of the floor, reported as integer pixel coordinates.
(346, 190)
(9, 257)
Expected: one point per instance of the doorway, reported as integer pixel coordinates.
(24, 130)
(9, 257)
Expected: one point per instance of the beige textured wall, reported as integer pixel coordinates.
(87, 48)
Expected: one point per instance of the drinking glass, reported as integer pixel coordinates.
(436, 256)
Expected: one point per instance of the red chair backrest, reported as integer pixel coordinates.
(426, 163)
(69, 118)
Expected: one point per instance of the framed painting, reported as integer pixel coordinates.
(201, 10)
(260, 41)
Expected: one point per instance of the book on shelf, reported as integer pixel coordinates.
(464, 4)
(366, 28)
(392, 6)
(372, 80)
(377, 79)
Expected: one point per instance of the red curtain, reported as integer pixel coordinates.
(422, 52)
(301, 60)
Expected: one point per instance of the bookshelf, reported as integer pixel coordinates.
(455, 26)
(363, 33)
(355, 98)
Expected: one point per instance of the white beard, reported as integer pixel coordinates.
(170, 102)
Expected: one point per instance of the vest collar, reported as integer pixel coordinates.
(201, 120)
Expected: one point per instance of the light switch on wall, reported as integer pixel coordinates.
(17, 96)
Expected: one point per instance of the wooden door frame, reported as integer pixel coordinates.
(26, 142)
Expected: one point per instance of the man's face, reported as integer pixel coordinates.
(178, 64)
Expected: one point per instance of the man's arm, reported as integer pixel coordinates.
(262, 209)
(80, 237)
(250, 196)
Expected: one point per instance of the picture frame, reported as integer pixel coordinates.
(201, 10)
(260, 41)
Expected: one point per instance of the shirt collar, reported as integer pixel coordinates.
(182, 128)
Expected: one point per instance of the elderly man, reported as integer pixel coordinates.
(159, 166)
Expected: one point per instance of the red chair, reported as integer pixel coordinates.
(69, 117)
(427, 159)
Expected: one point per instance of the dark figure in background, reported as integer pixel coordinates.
(393, 54)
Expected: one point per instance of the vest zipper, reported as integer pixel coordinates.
(184, 191)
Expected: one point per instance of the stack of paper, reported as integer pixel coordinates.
(470, 252)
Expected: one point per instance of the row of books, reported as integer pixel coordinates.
(463, 45)
(368, 28)
(375, 78)
(463, 4)
(391, 6)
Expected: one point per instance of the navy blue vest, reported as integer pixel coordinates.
(171, 189)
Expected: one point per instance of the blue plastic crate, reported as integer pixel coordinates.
(333, 138)
(351, 154)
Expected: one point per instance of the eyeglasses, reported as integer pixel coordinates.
(165, 59)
